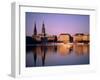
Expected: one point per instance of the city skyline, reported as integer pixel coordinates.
(54, 39)
(56, 24)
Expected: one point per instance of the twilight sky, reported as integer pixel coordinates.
(56, 24)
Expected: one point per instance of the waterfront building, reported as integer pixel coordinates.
(86, 37)
(43, 37)
(64, 37)
(80, 37)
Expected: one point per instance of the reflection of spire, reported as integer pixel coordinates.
(43, 29)
(35, 30)
(44, 51)
(35, 56)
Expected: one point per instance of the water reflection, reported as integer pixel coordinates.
(64, 49)
(62, 54)
(81, 49)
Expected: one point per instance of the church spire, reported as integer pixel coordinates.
(35, 30)
(43, 29)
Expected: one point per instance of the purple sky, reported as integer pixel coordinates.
(57, 23)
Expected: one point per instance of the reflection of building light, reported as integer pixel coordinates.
(86, 49)
(81, 49)
(64, 49)
(78, 49)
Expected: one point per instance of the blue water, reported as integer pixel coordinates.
(56, 55)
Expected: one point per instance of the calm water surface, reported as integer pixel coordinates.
(58, 54)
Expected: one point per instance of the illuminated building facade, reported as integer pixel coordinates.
(64, 37)
(79, 37)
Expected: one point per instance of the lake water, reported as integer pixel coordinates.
(57, 54)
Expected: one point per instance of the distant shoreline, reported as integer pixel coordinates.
(50, 44)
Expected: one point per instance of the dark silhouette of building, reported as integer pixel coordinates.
(35, 30)
(42, 37)
(43, 29)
